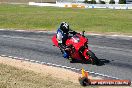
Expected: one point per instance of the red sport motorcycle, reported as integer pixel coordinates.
(78, 48)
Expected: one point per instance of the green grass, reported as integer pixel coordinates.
(11, 77)
(41, 18)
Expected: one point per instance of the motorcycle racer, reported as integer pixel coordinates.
(62, 35)
(73, 45)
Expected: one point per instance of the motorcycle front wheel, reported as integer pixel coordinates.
(93, 58)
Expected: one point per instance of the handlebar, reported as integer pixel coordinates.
(83, 33)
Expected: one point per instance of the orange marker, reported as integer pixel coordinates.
(85, 81)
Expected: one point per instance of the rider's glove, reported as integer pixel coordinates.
(72, 32)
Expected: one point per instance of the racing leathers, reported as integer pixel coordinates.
(62, 36)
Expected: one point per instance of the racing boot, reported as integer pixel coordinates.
(71, 60)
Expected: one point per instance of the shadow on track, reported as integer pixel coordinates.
(101, 62)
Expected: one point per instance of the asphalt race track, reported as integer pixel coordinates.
(115, 53)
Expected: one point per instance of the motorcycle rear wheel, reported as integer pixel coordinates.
(93, 58)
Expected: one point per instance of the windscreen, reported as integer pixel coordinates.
(75, 39)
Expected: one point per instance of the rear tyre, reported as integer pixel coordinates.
(93, 58)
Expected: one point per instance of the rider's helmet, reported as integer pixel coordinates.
(64, 27)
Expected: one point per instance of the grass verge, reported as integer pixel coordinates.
(41, 18)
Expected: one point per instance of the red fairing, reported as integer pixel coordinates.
(77, 41)
(54, 40)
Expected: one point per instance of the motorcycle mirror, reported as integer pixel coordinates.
(83, 33)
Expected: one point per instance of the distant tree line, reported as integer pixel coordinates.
(103, 2)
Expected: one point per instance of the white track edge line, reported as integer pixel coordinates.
(67, 67)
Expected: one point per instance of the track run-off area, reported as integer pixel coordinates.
(115, 53)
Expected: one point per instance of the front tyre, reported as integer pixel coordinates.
(93, 58)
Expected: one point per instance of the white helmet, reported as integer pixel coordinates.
(64, 27)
